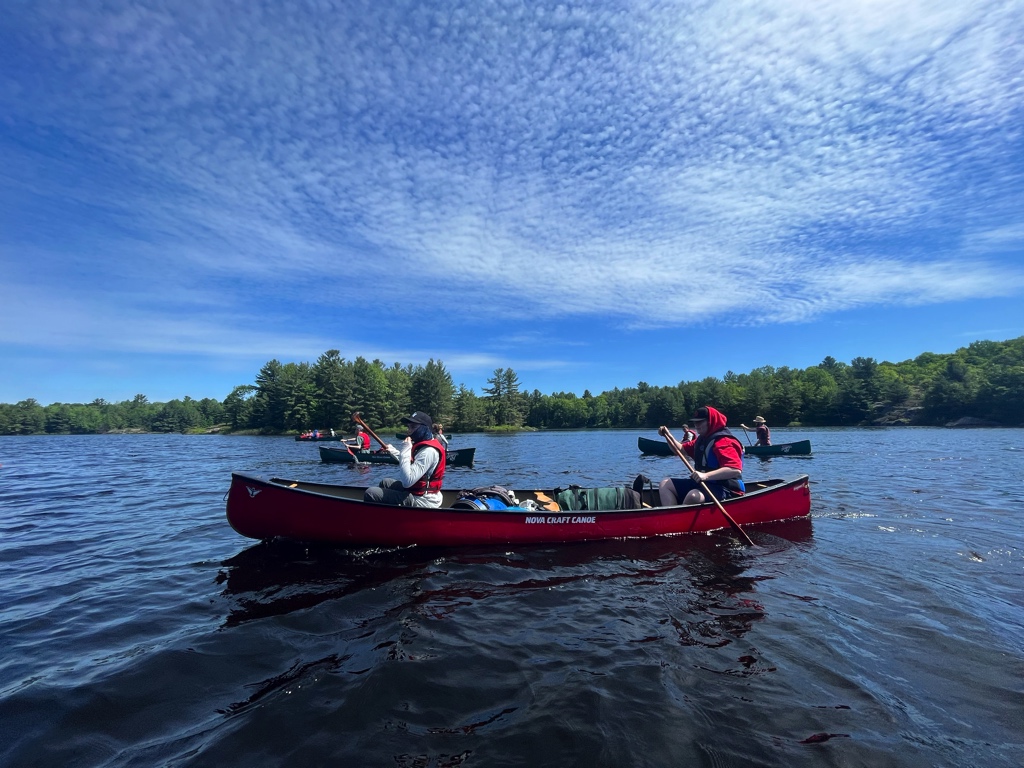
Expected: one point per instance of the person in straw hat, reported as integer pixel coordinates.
(764, 435)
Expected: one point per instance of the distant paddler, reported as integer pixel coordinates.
(764, 435)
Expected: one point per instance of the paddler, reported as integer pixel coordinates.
(421, 464)
(717, 460)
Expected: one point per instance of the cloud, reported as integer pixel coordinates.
(656, 164)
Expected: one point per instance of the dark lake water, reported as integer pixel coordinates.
(138, 629)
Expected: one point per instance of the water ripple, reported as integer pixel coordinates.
(139, 629)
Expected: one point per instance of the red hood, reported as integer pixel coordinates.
(716, 420)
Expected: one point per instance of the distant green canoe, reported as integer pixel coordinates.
(653, 447)
(799, 448)
(463, 457)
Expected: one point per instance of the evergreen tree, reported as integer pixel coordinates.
(267, 404)
(334, 382)
(297, 390)
(400, 402)
(371, 394)
(432, 390)
(469, 411)
(238, 406)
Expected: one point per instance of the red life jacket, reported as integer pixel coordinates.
(433, 483)
(364, 440)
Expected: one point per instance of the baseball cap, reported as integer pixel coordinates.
(701, 414)
(418, 417)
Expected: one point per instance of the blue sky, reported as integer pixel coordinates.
(594, 194)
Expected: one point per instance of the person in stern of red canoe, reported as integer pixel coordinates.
(421, 464)
(717, 460)
(764, 435)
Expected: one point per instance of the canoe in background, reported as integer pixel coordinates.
(653, 447)
(799, 448)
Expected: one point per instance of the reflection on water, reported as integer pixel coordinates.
(276, 578)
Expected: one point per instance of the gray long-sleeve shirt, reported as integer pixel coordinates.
(410, 471)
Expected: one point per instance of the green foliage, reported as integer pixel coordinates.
(177, 416)
(984, 380)
(469, 412)
(505, 404)
(373, 393)
(432, 390)
(238, 406)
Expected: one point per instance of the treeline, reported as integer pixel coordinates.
(139, 415)
(984, 381)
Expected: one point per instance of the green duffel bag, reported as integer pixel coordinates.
(618, 497)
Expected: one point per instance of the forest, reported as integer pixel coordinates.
(982, 384)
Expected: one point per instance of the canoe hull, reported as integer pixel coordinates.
(463, 457)
(653, 447)
(267, 508)
(799, 448)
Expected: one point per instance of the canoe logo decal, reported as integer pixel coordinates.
(252, 491)
(571, 519)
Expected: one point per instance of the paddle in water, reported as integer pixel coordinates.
(747, 436)
(352, 453)
(708, 493)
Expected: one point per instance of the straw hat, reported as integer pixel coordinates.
(759, 420)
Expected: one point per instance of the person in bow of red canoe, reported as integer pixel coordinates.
(717, 460)
(764, 435)
(421, 464)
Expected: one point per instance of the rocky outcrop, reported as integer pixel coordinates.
(970, 421)
(898, 416)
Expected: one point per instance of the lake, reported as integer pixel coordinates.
(138, 629)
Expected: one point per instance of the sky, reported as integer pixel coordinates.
(592, 194)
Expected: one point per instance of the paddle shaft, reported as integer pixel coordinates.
(359, 420)
(703, 485)
(745, 434)
(352, 453)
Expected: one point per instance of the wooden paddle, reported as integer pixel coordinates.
(744, 428)
(704, 486)
(359, 420)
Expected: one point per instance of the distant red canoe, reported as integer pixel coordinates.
(267, 508)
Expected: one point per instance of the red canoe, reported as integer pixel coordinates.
(267, 508)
